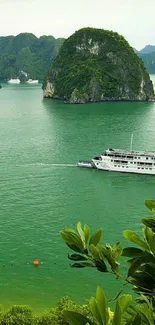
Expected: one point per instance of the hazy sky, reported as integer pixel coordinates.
(134, 19)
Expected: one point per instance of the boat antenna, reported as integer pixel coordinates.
(131, 142)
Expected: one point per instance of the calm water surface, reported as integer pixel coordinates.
(38, 198)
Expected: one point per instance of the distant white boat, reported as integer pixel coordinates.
(31, 81)
(85, 163)
(14, 81)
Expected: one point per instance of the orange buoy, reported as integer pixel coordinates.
(36, 262)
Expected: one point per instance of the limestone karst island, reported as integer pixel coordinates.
(97, 65)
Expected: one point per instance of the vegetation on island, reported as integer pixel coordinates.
(25, 56)
(23, 315)
(89, 252)
(96, 64)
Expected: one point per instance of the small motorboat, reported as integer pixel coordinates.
(85, 163)
(31, 81)
(14, 81)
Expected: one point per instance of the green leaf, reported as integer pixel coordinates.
(137, 320)
(81, 265)
(94, 251)
(69, 230)
(149, 222)
(94, 310)
(77, 257)
(86, 233)
(80, 231)
(98, 260)
(116, 250)
(101, 266)
(75, 318)
(146, 313)
(96, 237)
(106, 253)
(75, 248)
(150, 204)
(148, 233)
(134, 266)
(132, 252)
(117, 314)
(152, 244)
(72, 238)
(124, 302)
(133, 237)
(101, 303)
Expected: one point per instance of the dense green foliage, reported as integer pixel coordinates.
(23, 315)
(140, 274)
(25, 52)
(96, 64)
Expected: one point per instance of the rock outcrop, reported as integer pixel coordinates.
(97, 65)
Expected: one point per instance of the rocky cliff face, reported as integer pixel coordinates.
(97, 65)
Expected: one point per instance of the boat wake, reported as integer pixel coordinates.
(47, 165)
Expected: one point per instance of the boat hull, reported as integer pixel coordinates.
(125, 169)
(32, 81)
(14, 81)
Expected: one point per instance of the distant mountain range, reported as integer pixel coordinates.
(147, 54)
(25, 56)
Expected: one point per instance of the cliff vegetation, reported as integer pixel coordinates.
(95, 65)
(26, 56)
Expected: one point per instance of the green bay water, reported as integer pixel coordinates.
(39, 196)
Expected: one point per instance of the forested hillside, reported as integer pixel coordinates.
(95, 65)
(26, 56)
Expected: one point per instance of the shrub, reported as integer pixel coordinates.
(141, 272)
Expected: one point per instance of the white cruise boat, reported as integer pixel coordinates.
(128, 161)
(14, 81)
(31, 81)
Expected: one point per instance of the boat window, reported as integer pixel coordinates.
(138, 167)
(97, 157)
(147, 158)
(131, 162)
(150, 168)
